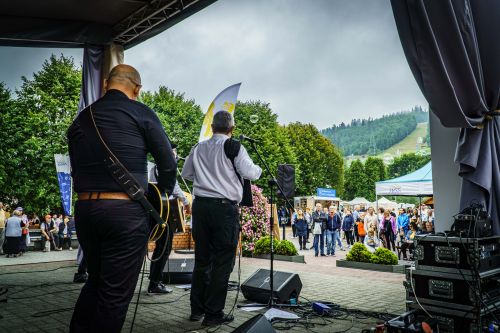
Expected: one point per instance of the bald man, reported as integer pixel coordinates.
(112, 229)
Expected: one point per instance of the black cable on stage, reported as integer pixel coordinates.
(138, 295)
(39, 271)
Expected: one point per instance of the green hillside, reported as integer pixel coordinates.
(375, 136)
(408, 144)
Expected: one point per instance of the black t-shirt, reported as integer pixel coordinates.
(131, 130)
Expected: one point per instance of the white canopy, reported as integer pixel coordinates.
(417, 183)
(386, 203)
(359, 201)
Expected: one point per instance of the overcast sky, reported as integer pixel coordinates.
(317, 61)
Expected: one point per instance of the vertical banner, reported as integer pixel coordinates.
(225, 100)
(63, 169)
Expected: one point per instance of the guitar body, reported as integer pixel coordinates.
(170, 211)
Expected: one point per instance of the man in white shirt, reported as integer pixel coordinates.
(217, 190)
(371, 221)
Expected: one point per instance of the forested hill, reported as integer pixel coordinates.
(371, 136)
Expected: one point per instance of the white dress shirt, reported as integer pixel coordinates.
(212, 172)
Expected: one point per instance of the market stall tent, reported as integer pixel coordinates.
(417, 183)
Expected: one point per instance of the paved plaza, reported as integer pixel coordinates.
(41, 296)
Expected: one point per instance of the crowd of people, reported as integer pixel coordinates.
(389, 228)
(56, 231)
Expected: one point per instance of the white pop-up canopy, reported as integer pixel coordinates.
(417, 183)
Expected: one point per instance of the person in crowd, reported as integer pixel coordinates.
(403, 222)
(301, 229)
(13, 234)
(429, 228)
(65, 234)
(218, 190)
(380, 214)
(319, 219)
(372, 242)
(333, 224)
(25, 232)
(307, 217)
(360, 226)
(371, 220)
(46, 228)
(113, 229)
(409, 244)
(430, 212)
(355, 216)
(348, 228)
(293, 218)
(393, 213)
(2, 227)
(424, 214)
(35, 221)
(388, 229)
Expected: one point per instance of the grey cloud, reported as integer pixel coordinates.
(315, 61)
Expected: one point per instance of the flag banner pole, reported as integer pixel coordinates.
(225, 100)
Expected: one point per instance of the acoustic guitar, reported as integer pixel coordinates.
(171, 210)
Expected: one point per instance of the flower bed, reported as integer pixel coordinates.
(255, 221)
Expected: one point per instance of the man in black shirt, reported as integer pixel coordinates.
(112, 229)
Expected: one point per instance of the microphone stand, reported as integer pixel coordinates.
(271, 182)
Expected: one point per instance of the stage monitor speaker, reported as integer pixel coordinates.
(286, 286)
(286, 179)
(178, 271)
(257, 324)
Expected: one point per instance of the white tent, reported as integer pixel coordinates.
(417, 183)
(385, 203)
(359, 201)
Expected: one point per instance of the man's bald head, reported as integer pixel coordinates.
(124, 78)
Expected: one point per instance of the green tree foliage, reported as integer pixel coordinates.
(33, 130)
(275, 143)
(320, 162)
(405, 164)
(371, 136)
(375, 171)
(181, 117)
(355, 181)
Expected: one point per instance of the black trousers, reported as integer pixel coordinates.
(216, 232)
(113, 235)
(157, 266)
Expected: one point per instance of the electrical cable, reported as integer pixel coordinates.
(138, 295)
(41, 271)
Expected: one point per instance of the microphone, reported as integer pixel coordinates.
(249, 139)
(178, 158)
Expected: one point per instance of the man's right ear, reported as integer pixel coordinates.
(105, 85)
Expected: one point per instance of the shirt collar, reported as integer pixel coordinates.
(116, 92)
(220, 135)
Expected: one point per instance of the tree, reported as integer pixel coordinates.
(34, 129)
(181, 117)
(355, 181)
(320, 162)
(375, 171)
(275, 144)
(405, 164)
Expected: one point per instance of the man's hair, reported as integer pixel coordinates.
(223, 122)
(125, 75)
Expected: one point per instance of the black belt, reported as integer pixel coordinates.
(216, 200)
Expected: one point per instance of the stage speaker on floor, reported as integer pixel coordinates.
(178, 271)
(286, 179)
(286, 286)
(257, 324)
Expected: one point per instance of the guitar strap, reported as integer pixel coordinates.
(231, 149)
(115, 168)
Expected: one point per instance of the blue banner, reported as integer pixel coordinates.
(64, 177)
(326, 192)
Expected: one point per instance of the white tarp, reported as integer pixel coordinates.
(417, 183)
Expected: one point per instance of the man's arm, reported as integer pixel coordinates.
(245, 166)
(159, 145)
(188, 169)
